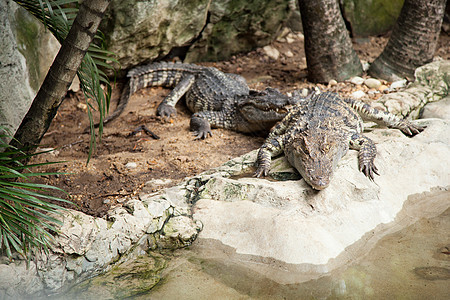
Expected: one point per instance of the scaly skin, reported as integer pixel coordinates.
(317, 133)
(217, 99)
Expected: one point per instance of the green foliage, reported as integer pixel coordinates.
(26, 215)
(58, 16)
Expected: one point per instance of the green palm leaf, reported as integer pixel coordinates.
(28, 212)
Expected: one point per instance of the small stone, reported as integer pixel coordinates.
(383, 88)
(358, 94)
(131, 165)
(357, 80)
(398, 84)
(284, 32)
(289, 40)
(82, 106)
(372, 83)
(289, 53)
(332, 82)
(271, 52)
(300, 36)
(365, 65)
(305, 92)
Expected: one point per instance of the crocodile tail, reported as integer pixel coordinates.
(122, 103)
(165, 74)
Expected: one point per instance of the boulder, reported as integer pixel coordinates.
(432, 83)
(287, 223)
(239, 26)
(26, 54)
(204, 30)
(87, 246)
(371, 17)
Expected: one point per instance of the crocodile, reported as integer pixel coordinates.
(317, 133)
(217, 99)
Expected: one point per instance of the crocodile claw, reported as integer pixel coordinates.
(200, 127)
(202, 134)
(261, 171)
(410, 129)
(165, 110)
(369, 169)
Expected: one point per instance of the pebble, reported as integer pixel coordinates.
(82, 106)
(358, 94)
(398, 84)
(131, 165)
(332, 82)
(304, 92)
(271, 52)
(372, 83)
(383, 88)
(357, 80)
(289, 54)
(365, 65)
(290, 40)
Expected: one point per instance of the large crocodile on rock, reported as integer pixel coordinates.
(317, 133)
(217, 99)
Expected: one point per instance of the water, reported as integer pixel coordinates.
(408, 259)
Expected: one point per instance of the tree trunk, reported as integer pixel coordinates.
(60, 75)
(413, 40)
(328, 48)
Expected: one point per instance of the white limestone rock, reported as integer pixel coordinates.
(398, 84)
(440, 110)
(289, 222)
(432, 83)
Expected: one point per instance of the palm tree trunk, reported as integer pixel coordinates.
(328, 48)
(413, 40)
(60, 75)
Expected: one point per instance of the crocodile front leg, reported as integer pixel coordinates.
(202, 121)
(200, 126)
(167, 107)
(366, 155)
(271, 147)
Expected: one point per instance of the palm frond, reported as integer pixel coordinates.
(58, 16)
(28, 212)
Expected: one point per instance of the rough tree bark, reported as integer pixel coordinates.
(60, 75)
(413, 40)
(328, 48)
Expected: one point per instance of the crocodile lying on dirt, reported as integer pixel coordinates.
(317, 133)
(217, 99)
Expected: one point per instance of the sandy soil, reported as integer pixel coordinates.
(122, 164)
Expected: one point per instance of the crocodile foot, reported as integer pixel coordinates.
(165, 110)
(200, 127)
(410, 129)
(262, 170)
(369, 169)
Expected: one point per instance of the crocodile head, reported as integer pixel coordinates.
(315, 154)
(264, 108)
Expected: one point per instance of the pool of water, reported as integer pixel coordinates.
(408, 259)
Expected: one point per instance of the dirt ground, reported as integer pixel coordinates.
(122, 165)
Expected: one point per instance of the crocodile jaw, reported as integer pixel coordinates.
(264, 113)
(315, 156)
